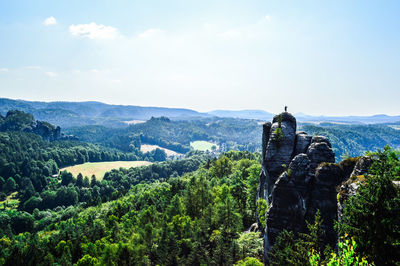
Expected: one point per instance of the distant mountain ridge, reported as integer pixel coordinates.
(374, 119)
(68, 114)
(301, 117)
(244, 114)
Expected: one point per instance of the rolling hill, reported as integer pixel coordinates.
(67, 114)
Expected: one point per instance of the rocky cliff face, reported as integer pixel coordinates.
(46, 131)
(299, 177)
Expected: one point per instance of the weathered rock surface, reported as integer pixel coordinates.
(46, 131)
(302, 142)
(299, 177)
(287, 208)
(361, 166)
(323, 198)
(320, 152)
(279, 151)
(321, 139)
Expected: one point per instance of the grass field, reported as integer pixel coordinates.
(147, 147)
(202, 145)
(99, 169)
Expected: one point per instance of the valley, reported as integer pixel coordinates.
(221, 133)
(115, 192)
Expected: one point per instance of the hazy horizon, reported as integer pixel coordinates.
(319, 58)
(208, 111)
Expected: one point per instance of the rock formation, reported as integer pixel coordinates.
(46, 130)
(298, 177)
(20, 121)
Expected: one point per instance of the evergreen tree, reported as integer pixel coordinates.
(86, 182)
(10, 185)
(79, 180)
(93, 181)
(66, 178)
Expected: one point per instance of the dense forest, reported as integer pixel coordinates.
(197, 217)
(185, 216)
(355, 140)
(234, 134)
(199, 133)
(229, 134)
(200, 209)
(29, 165)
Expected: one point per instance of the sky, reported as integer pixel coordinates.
(316, 57)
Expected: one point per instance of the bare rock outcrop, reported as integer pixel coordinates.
(46, 130)
(299, 177)
(280, 146)
(303, 140)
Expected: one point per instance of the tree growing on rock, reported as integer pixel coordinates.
(372, 215)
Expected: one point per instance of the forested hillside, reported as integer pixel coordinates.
(229, 134)
(234, 134)
(30, 163)
(199, 133)
(67, 114)
(171, 213)
(172, 217)
(200, 209)
(355, 140)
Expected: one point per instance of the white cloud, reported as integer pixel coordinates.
(268, 18)
(150, 33)
(51, 74)
(93, 31)
(50, 21)
(3, 69)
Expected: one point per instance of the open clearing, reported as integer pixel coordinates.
(147, 148)
(99, 169)
(202, 145)
(134, 122)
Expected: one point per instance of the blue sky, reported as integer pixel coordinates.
(317, 57)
